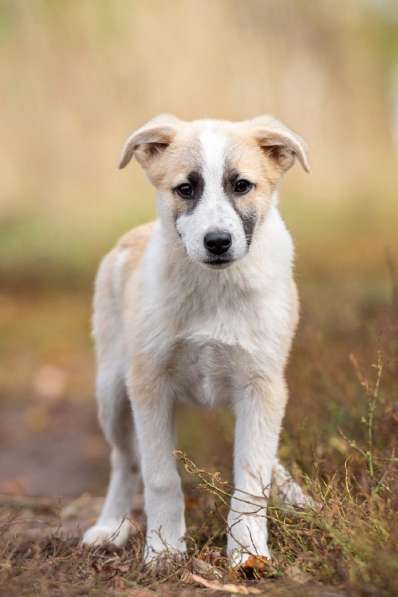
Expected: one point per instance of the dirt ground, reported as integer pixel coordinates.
(46, 556)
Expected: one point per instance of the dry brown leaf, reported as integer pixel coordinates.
(202, 567)
(214, 585)
(255, 563)
(73, 509)
(191, 502)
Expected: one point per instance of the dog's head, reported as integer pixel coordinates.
(215, 178)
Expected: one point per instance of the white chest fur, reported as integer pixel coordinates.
(219, 329)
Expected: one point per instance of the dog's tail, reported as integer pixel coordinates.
(288, 490)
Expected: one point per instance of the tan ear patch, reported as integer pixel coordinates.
(280, 154)
(167, 150)
(146, 144)
(150, 139)
(280, 143)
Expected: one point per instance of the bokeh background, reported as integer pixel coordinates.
(76, 78)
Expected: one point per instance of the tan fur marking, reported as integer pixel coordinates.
(135, 242)
(247, 158)
(181, 157)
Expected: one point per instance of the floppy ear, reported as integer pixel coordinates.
(280, 143)
(150, 140)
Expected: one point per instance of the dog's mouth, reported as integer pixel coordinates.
(218, 263)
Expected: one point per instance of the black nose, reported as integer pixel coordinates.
(217, 242)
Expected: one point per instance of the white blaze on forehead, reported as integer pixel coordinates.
(213, 211)
(212, 148)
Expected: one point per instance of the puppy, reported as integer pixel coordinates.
(201, 306)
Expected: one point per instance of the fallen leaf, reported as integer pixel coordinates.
(73, 509)
(255, 563)
(191, 502)
(214, 585)
(202, 567)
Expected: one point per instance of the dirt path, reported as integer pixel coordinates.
(54, 450)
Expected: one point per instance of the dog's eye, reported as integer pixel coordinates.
(184, 190)
(242, 186)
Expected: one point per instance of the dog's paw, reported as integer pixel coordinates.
(113, 533)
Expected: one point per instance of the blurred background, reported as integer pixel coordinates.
(76, 79)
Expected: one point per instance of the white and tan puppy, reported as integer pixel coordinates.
(200, 305)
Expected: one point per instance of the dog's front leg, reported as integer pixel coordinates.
(164, 502)
(259, 411)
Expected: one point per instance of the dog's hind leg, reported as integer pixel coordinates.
(116, 421)
(288, 490)
(115, 416)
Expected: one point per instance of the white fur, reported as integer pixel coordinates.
(210, 337)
